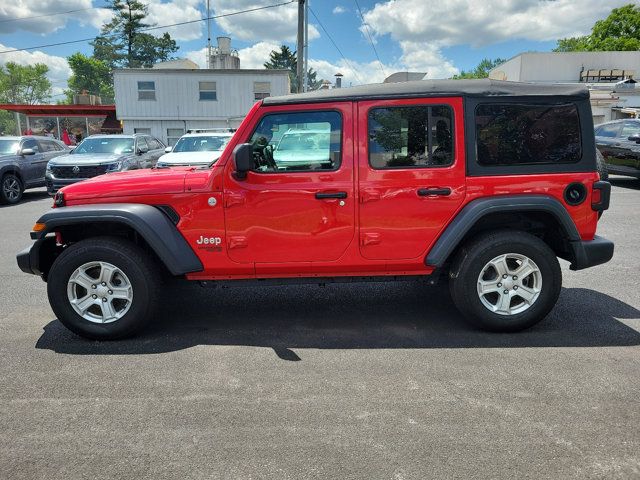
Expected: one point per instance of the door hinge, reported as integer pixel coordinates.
(231, 199)
(369, 239)
(237, 242)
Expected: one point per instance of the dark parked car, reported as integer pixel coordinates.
(619, 143)
(100, 154)
(23, 161)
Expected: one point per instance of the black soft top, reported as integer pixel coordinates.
(434, 88)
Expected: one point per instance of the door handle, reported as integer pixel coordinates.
(326, 195)
(427, 192)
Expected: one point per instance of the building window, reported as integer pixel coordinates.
(145, 131)
(411, 137)
(146, 90)
(173, 135)
(513, 134)
(208, 91)
(261, 90)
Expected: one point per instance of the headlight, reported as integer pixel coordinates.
(114, 167)
(48, 168)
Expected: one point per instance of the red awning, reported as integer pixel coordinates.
(60, 110)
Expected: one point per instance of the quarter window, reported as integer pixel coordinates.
(261, 90)
(208, 91)
(146, 90)
(510, 134)
(630, 129)
(294, 142)
(411, 137)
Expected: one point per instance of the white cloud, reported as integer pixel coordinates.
(176, 12)
(46, 22)
(339, 9)
(59, 70)
(277, 24)
(458, 22)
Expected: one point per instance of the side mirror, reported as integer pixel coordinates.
(28, 151)
(634, 138)
(242, 160)
(168, 149)
(142, 149)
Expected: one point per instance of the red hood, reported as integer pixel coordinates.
(133, 182)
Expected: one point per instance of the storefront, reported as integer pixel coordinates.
(72, 122)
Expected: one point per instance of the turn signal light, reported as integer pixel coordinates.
(38, 227)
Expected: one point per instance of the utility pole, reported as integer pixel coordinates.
(208, 35)
(305, 67)
(300, 48)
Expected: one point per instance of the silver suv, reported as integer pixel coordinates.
(23, 161)
(100, 154)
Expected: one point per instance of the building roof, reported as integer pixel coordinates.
(60, 110)
(204, 71)
(433, 88)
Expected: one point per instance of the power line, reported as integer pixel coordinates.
(16, 19)
(355, 72)
(366, 27)
(82, 40)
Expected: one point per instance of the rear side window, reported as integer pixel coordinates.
(410, 137)
(511, 134)
(300, 141)
(608, 131)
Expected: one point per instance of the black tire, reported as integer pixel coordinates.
(602, 166)
(475, 255)
(140, 268)
(8, 192)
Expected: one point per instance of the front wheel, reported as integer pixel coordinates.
(11, 189)
(103, 288)
(505, 281)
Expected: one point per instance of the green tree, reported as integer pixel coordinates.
(90, 75)
(620, 31)
(7, 123)
(482, 69)
(286, 59)
(24, 83)
(121, 42)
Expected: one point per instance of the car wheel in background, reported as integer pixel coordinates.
(11, 189)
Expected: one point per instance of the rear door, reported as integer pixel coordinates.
(297, 206)
(412, 174)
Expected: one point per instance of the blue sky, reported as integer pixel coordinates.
(437, 38)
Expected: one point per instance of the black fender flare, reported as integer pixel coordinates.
(12, 168)
(150, 222)
(471, 213)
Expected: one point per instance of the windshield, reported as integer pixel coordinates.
(9, 147)
(115, 145)
(304, 141)
(201, 144)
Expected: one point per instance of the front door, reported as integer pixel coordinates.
(32, 165)
(412, 174)
(297, 205)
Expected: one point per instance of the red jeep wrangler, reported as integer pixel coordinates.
(483, 182)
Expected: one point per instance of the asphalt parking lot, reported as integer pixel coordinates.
(367, 381)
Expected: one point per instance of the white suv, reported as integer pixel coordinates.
(200, 148)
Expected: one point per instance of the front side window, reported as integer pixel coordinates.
(511, 134)
(115, 145)
(208, 91)
(146, 90)
(303, 141)
(32, 144)
(630, 129)
(410, 137)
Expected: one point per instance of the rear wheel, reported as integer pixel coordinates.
(505, 281)
(103, 288)
(11, 189)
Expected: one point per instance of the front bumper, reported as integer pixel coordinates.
(55, 184)
(591, 253)
(38, 258)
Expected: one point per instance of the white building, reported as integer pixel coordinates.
(609, 75)
(176, 96)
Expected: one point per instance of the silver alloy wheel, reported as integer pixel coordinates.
(11, 189)
(99, 292)
(509, 284)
